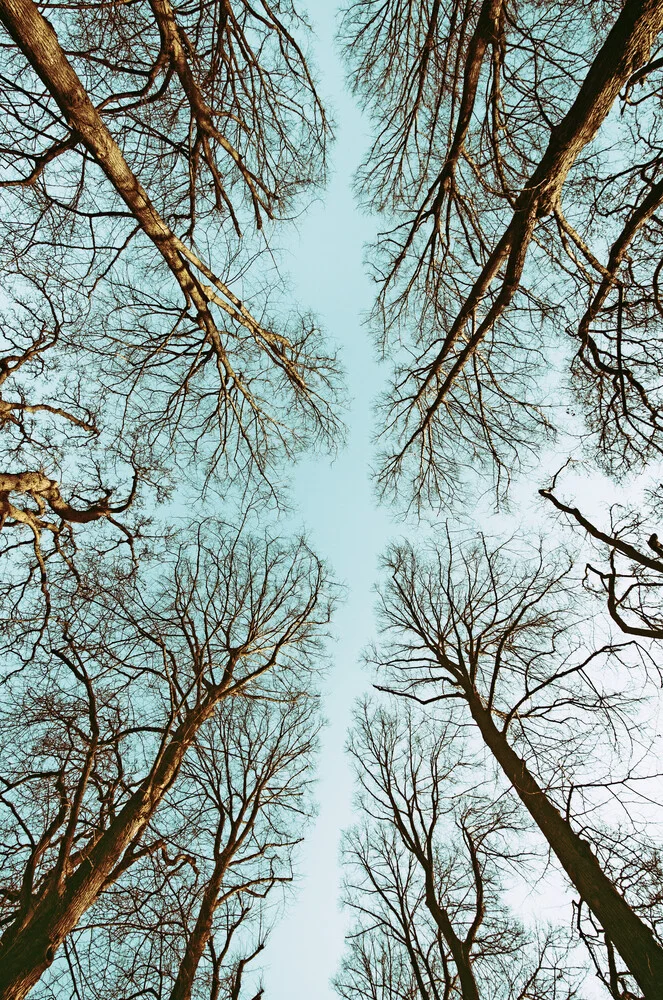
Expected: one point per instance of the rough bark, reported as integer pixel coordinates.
(37, 40)
(42, 489)
(630, 935)
(28, 946)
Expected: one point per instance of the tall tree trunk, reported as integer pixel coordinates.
(625, 50)
(28, 946)
(461, 954)
(460, 950)
(630, 935)
(37, 40)
(201, 933)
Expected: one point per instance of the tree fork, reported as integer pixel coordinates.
(626, 49)
(39, 43)
(28, 947)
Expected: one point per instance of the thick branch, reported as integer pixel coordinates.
(626, 48)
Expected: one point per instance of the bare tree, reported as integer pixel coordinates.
(145, 123)
(63, 466)
(551, 705)
(632, 579)
(628, 578)
(124, 681)
(184, 920)
(517, 154)
(216, 98)
(427, 866)
(135, 140)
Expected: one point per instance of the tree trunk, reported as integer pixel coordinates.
(460, 954)
(28, 946)
(625, 50)
(631, 937)
(201, 933)
(37, 40)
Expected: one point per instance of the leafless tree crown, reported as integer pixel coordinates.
(516, 160)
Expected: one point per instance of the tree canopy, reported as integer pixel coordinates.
(163, 634)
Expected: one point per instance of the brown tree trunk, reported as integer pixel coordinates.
(486, 32)
(631, 937)
(626, 49)
(201, 933)
(37, 40)
(460, 953)
(28, 946)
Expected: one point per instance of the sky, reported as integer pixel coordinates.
(337, 509)
(336, 505)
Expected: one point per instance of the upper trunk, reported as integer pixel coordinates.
(35, 37)
(201, 933)
(631, 937)
(460, 953)
(626, 48)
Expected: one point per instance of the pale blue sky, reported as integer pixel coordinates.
(345, 526)
(338, 510)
